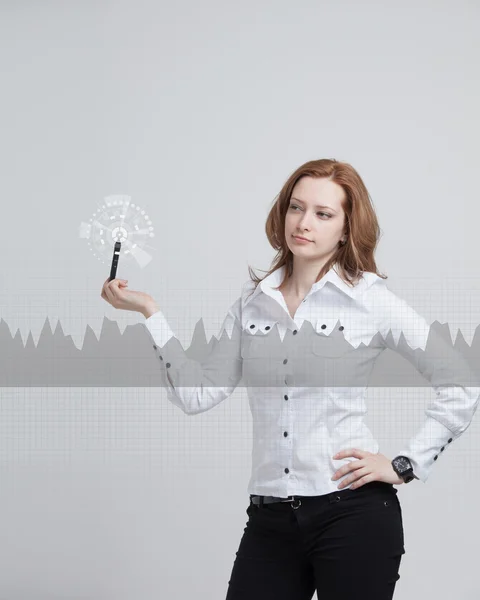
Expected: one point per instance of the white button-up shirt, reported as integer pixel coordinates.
(306, 377)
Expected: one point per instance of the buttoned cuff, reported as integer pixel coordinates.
(426, 446)
(171, 358)
(159, 328)
(171, 354)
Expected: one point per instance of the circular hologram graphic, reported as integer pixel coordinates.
(119, 220)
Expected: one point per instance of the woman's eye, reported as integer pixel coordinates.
(319, 213)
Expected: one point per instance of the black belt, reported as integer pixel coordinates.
(332, 496)
(260, 500)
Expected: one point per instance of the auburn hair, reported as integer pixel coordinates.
(363, 231)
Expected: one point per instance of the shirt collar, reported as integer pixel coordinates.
(274, 280)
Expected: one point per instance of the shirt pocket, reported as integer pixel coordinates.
(328, 340)
(260, 338)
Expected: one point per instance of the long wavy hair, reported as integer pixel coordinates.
(363, 232)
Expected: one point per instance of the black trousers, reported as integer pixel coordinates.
(346, 545)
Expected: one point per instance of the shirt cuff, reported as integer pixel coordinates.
(159, 328)
(426, 446)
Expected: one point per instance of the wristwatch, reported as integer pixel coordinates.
(403, 468)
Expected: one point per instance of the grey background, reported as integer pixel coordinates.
(200, 111)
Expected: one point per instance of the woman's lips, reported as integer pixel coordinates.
(300, 240)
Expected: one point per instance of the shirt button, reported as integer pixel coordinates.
(435, 457)
(450, 440)
(252, 326)
(324, 326)
(285, 360)
(341, 327)
(285, 433)
(294, 332)
(287, 470)
(267, 327)
(167, 365)
(442, 448)
(160, 357)
(154, 347)
(285, 397)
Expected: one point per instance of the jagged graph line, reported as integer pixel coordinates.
(132, 359)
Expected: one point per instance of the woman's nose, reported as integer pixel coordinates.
(305, 221)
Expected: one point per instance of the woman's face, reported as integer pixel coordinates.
(315, 212)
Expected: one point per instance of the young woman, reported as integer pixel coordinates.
(323, 513)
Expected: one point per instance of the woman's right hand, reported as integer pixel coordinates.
(115, 293)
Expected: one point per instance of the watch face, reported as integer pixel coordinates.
(402, 464)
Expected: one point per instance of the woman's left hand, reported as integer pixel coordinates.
(369, 467)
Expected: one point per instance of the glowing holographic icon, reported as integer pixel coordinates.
(119, 220)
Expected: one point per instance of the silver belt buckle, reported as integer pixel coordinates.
(295, 503)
